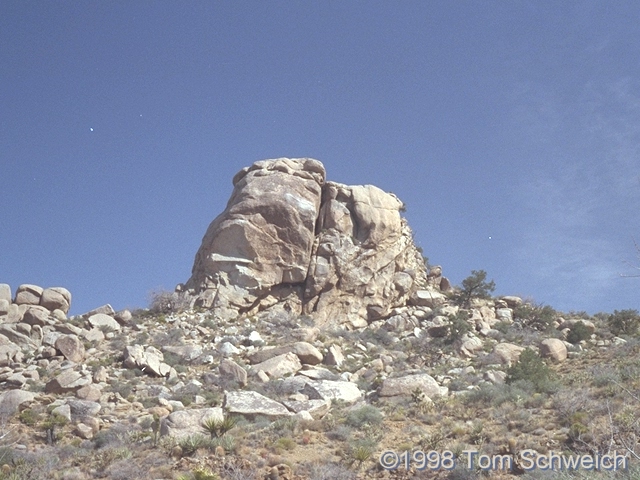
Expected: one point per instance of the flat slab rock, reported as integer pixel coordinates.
(332, 390)
(251, 404)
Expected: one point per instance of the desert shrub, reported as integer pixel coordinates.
(29, 417)
(579, 332)
(531, 368)
(172, 337)
(474, 286)
(538, 317)
(624, 322)
(285, 443)
(366, 415)
(496, 395)
(168, 302)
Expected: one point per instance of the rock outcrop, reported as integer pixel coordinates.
(290, 241)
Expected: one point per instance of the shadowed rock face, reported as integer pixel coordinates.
(289, 240)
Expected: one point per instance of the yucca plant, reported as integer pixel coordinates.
(192, 443)
(218, 427)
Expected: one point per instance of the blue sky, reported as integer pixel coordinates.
(511, 130)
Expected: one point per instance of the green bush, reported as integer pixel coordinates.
(538, 317)
(579, 332)
(624, 322)
(531, 368)
(458, 326)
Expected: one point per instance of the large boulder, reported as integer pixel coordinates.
(290, 242)
(28, 294)
(264, 237)
(364, 262)
(554, 349)
(56, 298)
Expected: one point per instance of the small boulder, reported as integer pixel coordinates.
(71, 347)
(104, 309)
(428, 298)
(229, 368)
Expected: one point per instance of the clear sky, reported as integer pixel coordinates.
(511, 130)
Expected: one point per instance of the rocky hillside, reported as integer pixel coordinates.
(310, 340)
